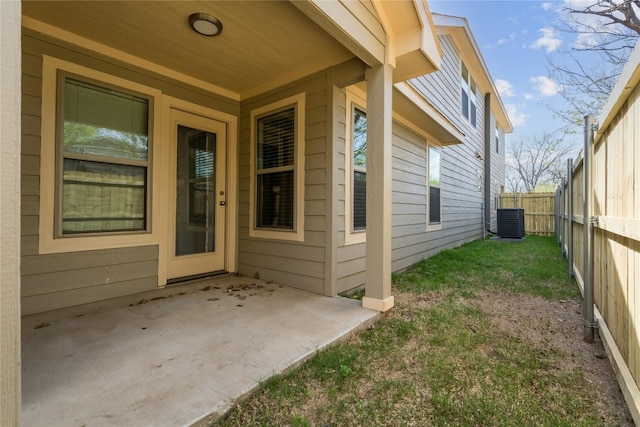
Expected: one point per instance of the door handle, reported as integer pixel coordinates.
(222, 203)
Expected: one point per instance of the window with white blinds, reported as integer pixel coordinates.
(104, 161)
(275, 170)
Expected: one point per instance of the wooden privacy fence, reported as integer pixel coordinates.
(539, 210)
(601, 238)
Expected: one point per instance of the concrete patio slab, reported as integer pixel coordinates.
(178, 357)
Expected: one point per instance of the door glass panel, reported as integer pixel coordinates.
(195, 192)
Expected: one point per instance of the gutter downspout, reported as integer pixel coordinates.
(487, 162)
(587, 309)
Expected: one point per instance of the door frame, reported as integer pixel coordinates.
(167, 157)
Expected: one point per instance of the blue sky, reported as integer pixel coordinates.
(515, 38)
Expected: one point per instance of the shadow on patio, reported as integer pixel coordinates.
(182, 356)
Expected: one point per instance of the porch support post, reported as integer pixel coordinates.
(379, 134)
(10, 98)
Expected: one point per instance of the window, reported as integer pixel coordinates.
(359, 163)
(103, 165)
(468, 96)
(277, 173)
(275, 167)
(497, 140)
(355, 167)
(434, 186)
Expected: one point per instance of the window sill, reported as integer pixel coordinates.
(295, 236)
(354, 238)
(434, 227)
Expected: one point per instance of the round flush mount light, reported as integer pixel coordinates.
(205, 24)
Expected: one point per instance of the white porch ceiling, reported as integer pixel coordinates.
(263, 44)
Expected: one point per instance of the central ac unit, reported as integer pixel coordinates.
(511, 223)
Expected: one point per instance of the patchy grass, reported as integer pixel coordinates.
(533, 266)
(473, 340)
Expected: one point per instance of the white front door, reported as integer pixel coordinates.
(197, 196)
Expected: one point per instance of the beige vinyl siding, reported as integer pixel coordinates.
(65, 279)
(297, 264)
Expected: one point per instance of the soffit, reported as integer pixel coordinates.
(262, 46)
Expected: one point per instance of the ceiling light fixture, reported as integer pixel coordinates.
(205, 24)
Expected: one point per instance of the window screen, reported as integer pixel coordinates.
(105, 148)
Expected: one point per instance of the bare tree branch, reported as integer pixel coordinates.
(606, 30)
(533, 163)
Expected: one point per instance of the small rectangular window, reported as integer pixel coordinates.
(275, 180)
(434, 186)
(103, 166)
(359, 170)
(468, 96)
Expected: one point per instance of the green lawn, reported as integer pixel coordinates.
(437, 358)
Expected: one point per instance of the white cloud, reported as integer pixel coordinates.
(511, 37)
(528, 96)
(545, 86)
(517, 118)
(505, 89)
(547, 6)
(549, 40)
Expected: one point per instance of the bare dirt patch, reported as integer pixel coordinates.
(557, 326)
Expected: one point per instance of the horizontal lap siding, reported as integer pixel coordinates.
(461, 220)
(54, 281)
(51, 281)
(297, 264)
(460, 170)
(443, 89)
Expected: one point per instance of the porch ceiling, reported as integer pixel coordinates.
(262, 45)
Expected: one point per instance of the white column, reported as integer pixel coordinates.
(379, 119)
(10, 213)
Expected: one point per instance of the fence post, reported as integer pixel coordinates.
(570, 216)
(555, 214)
(587, 308)
(561, 215)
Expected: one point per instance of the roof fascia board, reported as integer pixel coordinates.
(413, 45)
(342, 25)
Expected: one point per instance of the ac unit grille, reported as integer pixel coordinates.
(511, 223)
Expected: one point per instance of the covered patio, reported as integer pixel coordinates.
(182, 356)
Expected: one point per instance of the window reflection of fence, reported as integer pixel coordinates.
(95, 201)
(538, 210)
(613, 221)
